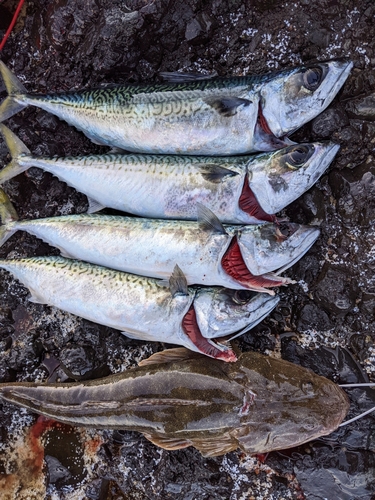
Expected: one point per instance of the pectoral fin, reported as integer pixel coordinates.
(167, 443)
(35, 298)
(94, 206)
(228, 106)
(214, 447)
(169, 356)
(215, 173)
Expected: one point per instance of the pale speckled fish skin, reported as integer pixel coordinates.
(259, 404)
(209, 117)
(169, 187)
(150, 247)
(140, 307)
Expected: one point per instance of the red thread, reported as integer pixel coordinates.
(234, 265)
(191, 328)
(11, 26)
(249, 204)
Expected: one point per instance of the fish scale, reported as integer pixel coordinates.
(204, 250)
(243, 189)
(258, 404)
(140, 307)
(223, 116)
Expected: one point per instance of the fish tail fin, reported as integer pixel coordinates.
(16, 148)
(8, 215)
(10, 106)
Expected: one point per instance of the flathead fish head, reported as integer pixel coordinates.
(286, 405)
(221, 311)
(294, 97)
(277, 179)
(274, 248)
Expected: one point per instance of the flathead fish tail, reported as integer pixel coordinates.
(11, 105)
(8, 215)
(16, 148)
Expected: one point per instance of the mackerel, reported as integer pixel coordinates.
(258, 404)
(143, 308)
(222, 116)
(207, 252)
(239, 190)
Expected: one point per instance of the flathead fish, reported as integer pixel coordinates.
(258, 404)
(143, 308)
(239, 190)
(223, 116)
(207, 252)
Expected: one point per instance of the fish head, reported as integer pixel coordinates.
(274, 248)
(277, 179)
(221, 311)
(293, 97)
(285, 405)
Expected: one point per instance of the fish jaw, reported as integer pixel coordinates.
(220, 312)
(290, 405)
(270, 251)
(288, 101)
(289, 173)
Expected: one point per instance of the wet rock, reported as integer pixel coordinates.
(312, 316)
(327, 122)
(336, 290)
(78, 360)
(57, 473)
(363, 108)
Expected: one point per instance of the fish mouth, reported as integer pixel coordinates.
(309, 235)
(283, 246)
(269, 303)
(284, 116)
(264, 191)
(341, 78)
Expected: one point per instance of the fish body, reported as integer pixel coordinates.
(239, 190)
(259, 404)
(207, 252)
(223, 116)
(143, 308)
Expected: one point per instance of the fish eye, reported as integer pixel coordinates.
(298, 155)
(285, 229)
(242, 297)
(312, 78)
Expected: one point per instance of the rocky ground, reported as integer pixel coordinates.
(325, 322)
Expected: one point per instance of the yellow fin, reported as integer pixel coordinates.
(218, 445)
(169, 356)
(167, 443)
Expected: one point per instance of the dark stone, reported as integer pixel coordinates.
(362, 108)
(78, 360)
(327, 122)
(336, 290)
(312, 317)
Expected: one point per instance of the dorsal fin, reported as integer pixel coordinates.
(178, 283)
(169, 356)
(208, 221)
(215, 173)
(178, 77)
